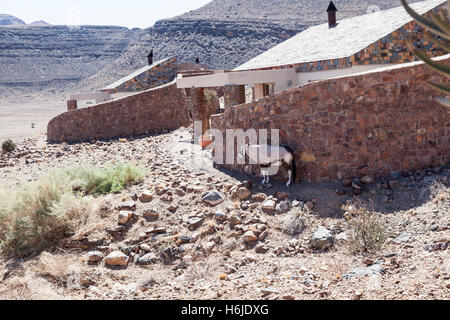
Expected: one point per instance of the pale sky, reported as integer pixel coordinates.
(127, 13)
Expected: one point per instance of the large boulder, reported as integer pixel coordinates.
(322, 239)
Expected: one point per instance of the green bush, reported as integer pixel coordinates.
(8, 146)
(39, 214)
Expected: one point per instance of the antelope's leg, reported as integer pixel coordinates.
(290, 178)
(263, 173)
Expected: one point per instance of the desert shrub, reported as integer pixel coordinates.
(39, 214)
(199, 270)
(96, 181)
(367, 232)
(8, 146)
(294, 222)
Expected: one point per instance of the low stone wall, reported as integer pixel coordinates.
(386, 121)
(151, 111)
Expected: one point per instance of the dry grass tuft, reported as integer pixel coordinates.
(39, 214)
(294, 222)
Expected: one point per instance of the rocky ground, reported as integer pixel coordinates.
(193, 232)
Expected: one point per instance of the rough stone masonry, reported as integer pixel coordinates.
(386, 121)
(151, 111)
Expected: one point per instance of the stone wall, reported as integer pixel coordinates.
(151, 111)
(159, 74)
(234, 95)
(387, 120)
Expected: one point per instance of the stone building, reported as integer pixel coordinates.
(334, 49)
(346, 96)
(358, 101)
(349, 46)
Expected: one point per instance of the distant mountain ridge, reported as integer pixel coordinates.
(40, 23)
(9, 20)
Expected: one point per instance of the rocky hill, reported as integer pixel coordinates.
(55, 57)
(40, 23)
(223, 34)
(9, 20)
(285, 12)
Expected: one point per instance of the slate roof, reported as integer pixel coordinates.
(347, 38)
(134, 74)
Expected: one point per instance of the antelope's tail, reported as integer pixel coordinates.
(294, 169)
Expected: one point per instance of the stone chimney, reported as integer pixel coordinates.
(331, 15)
(150, 58)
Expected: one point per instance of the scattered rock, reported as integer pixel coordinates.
(367, 180)
(261, 248)
(363, 170)
(282, 195)
(267, 291)
(208, 247)
(259, 197)
(373, 270)
(250, 236)
(268, 206)
(392, 184)
(263, 235)
(235, 220)
(243, 193)
(220, 215)
(213, 198)
(283, 207)
(194, 223)
(125, 216)
(368, 262)
(357, 184)
(160, 230)
(127, 206)
(146, 196)
(149, 258)
(116, 258)
(322, 239)
(347, 182)
(310, 205)
(95, 256)
(151, 214)
(403, 238)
